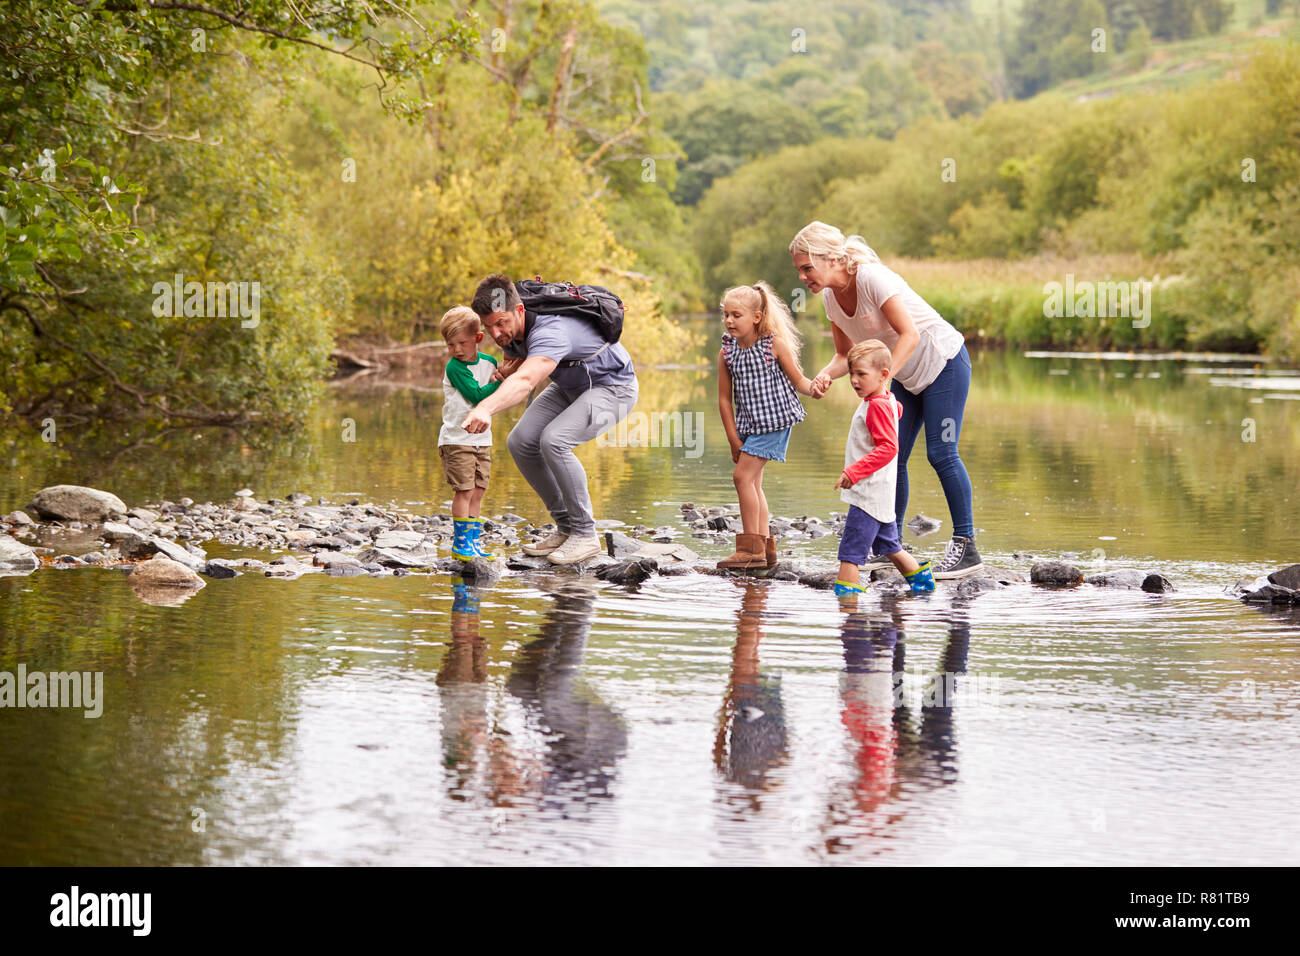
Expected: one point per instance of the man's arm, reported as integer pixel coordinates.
(513, 391)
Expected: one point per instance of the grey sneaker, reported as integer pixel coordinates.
(575, 549)
(959, 560)
(546, 545)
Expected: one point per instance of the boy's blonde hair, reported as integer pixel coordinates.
(873, 352)
(774, 316)
(459, 319)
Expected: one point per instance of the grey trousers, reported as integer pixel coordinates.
(542, 446)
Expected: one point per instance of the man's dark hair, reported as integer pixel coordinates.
(496, 293)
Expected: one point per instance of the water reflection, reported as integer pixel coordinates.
(584, 737)
(751, 737)
(476, 751)
(901, 731)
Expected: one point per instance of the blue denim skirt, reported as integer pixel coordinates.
(768, 445)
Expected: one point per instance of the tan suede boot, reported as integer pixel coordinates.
(769, 549)
(749, 554)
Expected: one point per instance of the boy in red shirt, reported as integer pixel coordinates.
(870, 472)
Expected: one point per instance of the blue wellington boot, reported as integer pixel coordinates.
(462, 542)
(844, 589)
(921, 580)
(475, 539)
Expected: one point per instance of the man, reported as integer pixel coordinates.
(593, 387)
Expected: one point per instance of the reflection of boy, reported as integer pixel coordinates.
(466, 458)
(867, 689)
(468, 733)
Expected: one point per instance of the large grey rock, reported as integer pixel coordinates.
(345, 570)
(396, 559)
(329, 559)
(219, 569)
(619, 545)
(632, 571)
(77, 503)
(143, 546)
(16, 557)
(665, 553)
(1288, 577)
(822, 580)
(1124, 578)
(479, 570)
(399, 540)
(1057, 573)
(976, 584)
(114, 532)
(160, 570)
(922, 524)
(1279, 587)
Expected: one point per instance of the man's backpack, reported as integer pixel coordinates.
(592, 303)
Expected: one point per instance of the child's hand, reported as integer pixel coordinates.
(735, 451)
(820, 385)
(845, 481)
(507, 368)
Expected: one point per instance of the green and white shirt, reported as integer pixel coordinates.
(464, 385)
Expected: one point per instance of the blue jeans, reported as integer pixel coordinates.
(940, 408)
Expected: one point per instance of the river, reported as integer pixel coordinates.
(695, 719)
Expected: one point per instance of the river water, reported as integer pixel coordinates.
(554, 718)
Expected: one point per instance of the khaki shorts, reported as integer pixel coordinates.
(466, 466)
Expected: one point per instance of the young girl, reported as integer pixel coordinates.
(758, 376)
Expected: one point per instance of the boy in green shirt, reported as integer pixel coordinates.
(466, 458)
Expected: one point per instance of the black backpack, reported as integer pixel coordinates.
(592, 303)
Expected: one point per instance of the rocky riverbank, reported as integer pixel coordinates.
(161, 546)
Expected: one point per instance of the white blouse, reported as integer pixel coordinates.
(877, 284)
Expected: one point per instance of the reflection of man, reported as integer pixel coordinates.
(585, 737)
(593, 386)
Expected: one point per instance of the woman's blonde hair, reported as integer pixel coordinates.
(774, 316)
(821, 241)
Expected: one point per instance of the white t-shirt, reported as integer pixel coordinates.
(877, 284)
(455, 407)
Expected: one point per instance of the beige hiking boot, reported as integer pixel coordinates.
(546, 545)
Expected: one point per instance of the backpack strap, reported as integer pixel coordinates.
(584, 361)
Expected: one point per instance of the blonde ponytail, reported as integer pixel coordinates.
(821, 241)
(774, 315)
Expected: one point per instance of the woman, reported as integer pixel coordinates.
(931, 367)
